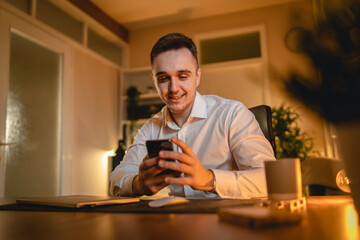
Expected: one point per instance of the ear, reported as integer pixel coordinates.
(198, 76)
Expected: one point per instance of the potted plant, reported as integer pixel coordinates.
(333, 47)
(132, 102)
(290, 141)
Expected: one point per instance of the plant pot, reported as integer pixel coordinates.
(348, 135)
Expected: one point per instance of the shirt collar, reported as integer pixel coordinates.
(199, 108)
(198, 111)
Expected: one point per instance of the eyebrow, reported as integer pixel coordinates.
(160, 73)
(180, 71)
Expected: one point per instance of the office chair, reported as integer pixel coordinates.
(263, 116)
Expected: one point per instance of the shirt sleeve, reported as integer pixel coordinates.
(249, 149)
(120, 182)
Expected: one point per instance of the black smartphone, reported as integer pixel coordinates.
(155, 146)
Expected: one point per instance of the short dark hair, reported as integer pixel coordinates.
(173, 41)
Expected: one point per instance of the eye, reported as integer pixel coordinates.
(183, 76)
(162, 78)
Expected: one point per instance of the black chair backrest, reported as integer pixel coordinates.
(263, 116)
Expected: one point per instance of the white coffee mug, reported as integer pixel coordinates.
(283, 179)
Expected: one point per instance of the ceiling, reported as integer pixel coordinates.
(135, 14)
(129, 15)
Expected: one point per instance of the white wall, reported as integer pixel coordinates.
(96, 112)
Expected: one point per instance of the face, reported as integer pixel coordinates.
(176, 78)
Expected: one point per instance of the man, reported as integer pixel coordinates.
(219, 147)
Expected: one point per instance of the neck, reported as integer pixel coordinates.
(181, 118)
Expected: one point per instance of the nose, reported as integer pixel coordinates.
(174, 85)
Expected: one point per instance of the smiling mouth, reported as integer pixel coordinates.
(176, 98)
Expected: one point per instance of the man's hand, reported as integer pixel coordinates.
(196, 175)
(147, 182)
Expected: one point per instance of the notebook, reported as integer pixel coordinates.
(77, 201)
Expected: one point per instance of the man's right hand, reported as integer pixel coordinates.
(147, 182)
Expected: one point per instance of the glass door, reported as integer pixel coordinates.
(32, 108)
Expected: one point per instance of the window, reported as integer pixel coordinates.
(23, 5)
(58, 19)
(229, 48)
(104, 47)
(234, 45)
(234, 64)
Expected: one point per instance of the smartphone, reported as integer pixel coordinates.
(155, 146)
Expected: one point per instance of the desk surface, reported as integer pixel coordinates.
(325, 218)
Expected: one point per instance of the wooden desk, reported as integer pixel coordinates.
(325, 218)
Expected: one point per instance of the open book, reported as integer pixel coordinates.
(77, 201)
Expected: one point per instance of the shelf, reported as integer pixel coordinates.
(136, 122)
(130, 132)
(139, 77)
(142, 80)
(145, 96)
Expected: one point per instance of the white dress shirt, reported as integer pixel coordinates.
(225, 137)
